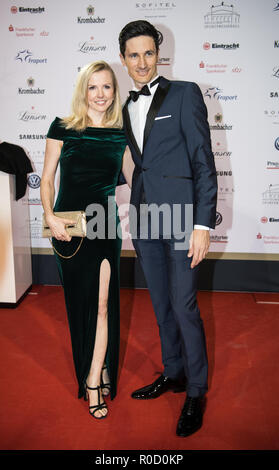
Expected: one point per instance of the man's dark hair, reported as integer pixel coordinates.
(139, 28)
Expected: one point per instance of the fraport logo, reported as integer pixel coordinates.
(216, 93)
(26, 56)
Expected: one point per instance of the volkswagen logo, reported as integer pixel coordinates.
(34, 181)
(219, 218)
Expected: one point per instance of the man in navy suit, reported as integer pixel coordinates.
(168, 135)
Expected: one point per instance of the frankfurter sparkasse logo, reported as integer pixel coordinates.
(222, 16)
(89, 19)
(155, 6)
(34, 181)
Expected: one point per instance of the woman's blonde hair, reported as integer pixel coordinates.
(79, 119)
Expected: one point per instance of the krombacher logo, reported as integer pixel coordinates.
(31, 91)
(89, 19)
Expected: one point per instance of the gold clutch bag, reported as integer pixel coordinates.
(77, 229)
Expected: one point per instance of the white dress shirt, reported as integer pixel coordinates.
(138, 111)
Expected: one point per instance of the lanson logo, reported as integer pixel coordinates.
(27, 116)
(90, 46)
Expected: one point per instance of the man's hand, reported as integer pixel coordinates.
(198, 246)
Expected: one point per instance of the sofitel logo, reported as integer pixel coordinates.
(89, 19)
(155, 5)
(272, 113)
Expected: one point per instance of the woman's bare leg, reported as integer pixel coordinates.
(101, 339)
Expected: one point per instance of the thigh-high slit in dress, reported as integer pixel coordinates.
(90, 164)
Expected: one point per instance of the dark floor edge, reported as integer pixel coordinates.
(15, 304)
(215, 275)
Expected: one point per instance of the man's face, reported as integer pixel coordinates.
(140, 59)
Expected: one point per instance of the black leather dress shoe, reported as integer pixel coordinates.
(191, 416)
(161, 385)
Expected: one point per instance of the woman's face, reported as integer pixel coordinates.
(100, 93)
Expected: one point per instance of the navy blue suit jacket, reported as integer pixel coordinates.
(176, 165)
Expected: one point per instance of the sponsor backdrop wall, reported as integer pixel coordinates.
(230, 50)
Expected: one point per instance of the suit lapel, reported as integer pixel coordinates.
(128, 127)
(157, 101)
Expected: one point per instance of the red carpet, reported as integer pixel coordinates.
(39, 408)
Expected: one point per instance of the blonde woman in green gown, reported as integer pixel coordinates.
(90, 147)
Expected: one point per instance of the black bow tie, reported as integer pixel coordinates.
(135, 94)
(144, 91)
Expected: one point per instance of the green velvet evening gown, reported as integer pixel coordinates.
(90, 164)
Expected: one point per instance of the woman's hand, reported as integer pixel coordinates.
(57, 227)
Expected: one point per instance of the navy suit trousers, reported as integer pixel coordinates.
(173, 288)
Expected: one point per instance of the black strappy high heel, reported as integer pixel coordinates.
(100, 405)
(105, 385)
